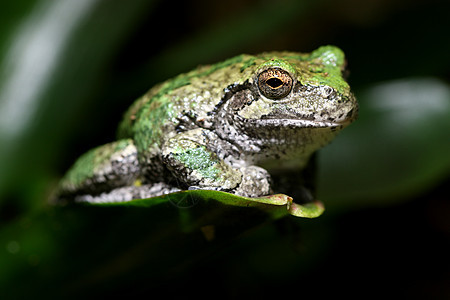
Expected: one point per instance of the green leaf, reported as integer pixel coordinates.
(398, 147)
(277, 205)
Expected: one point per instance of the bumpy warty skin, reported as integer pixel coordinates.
(214, 127)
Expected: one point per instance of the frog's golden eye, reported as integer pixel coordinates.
(274, 83)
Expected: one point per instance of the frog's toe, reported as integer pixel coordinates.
(194, 187)
(211, 188)
(255, 182)
(128, 193)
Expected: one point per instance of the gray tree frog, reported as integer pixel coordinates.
(248, 125)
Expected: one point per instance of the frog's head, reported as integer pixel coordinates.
(295, 90)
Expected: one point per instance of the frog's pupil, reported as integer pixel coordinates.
(274, 83)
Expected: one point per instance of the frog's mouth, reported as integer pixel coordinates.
(293, 120)
(288, 132)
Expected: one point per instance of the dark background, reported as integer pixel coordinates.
(67, 75)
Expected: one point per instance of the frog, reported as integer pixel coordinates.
(250, 125)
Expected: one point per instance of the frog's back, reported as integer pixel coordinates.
(156, 116)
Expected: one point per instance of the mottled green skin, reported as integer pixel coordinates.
(94, 160)
(165, 102)
(211, 127)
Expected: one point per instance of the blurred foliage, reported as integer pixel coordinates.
(399, 147)
(70, 68)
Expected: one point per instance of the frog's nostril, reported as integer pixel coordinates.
(274, 83)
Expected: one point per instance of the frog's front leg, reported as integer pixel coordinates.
(193, 163)
(198, 159)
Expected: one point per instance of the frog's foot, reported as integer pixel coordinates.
(194, 164)
(255, 182)
(128, 193)
(210, 188)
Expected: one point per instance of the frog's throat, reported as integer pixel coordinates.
(295, 123)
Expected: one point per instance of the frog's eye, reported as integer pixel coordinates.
(274, 83)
